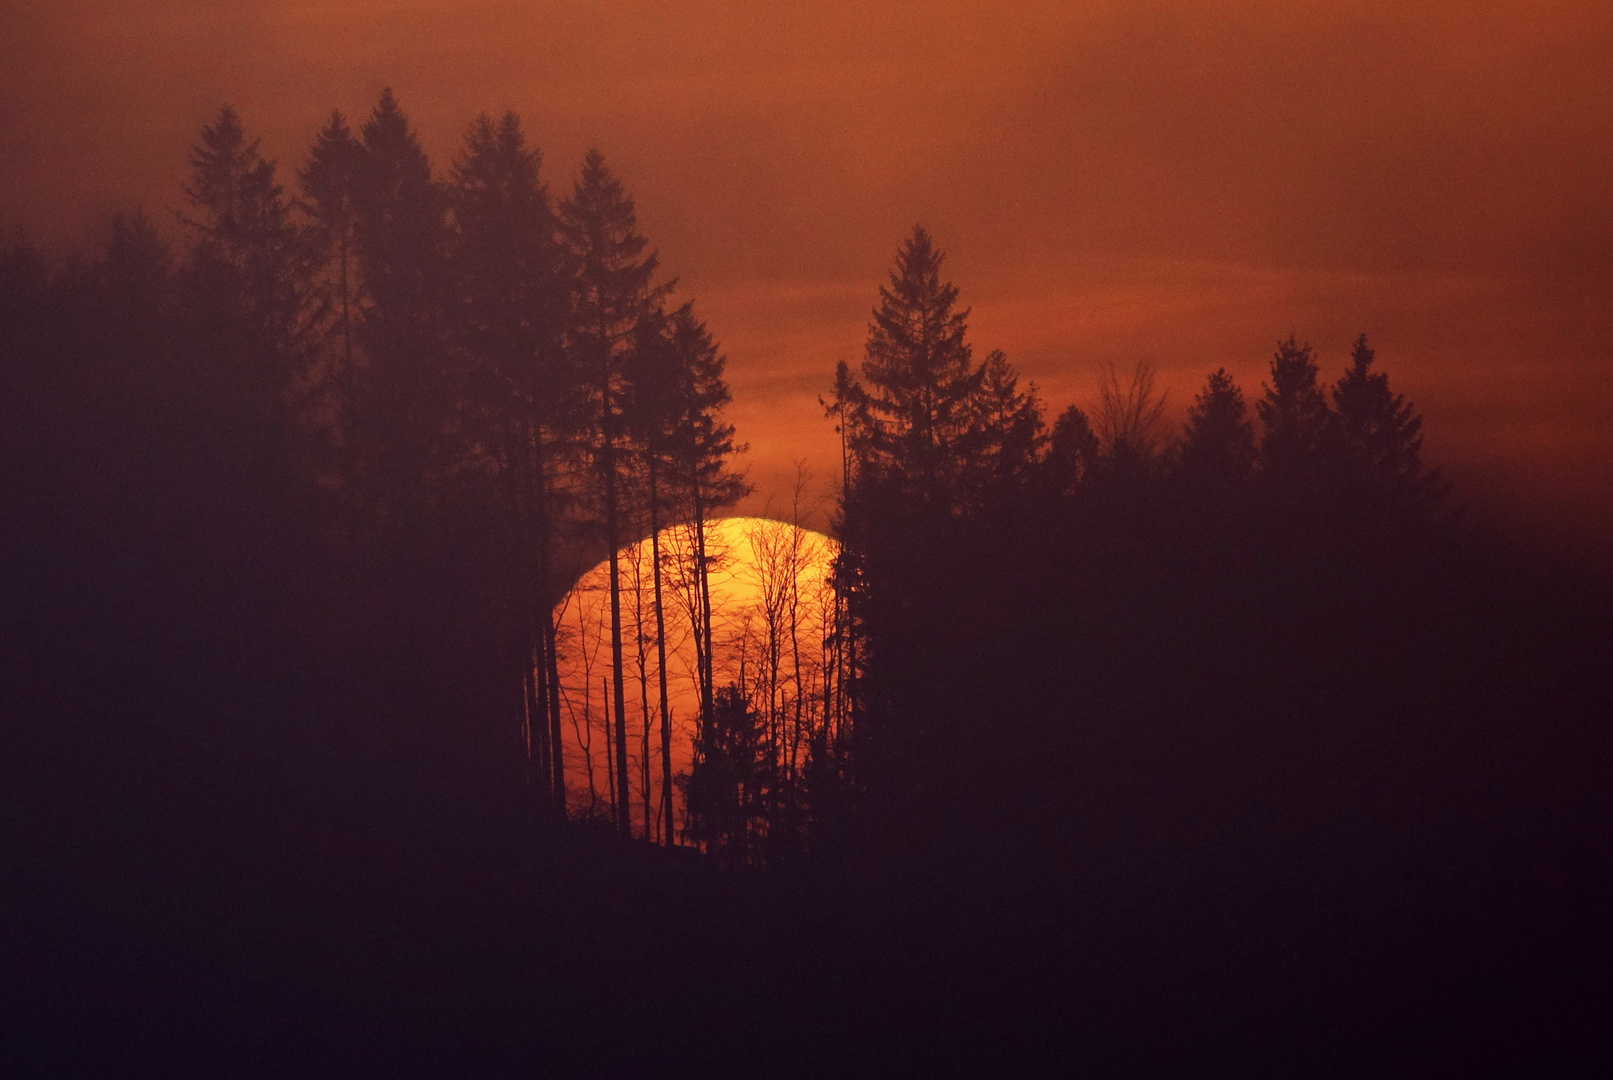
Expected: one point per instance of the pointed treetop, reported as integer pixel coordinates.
(600, 218)
(328, 177)
(1379, 434)
(599, 227)
(227, 173)
(912, 418)
(496, 162)
(392, 144)
(1294, 412)
(1217, 448)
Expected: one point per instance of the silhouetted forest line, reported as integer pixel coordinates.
(288, 513)
(979, 543)
(456, 384)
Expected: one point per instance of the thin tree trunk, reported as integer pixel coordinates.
(586, 734)
(557, 754)
(795, 656)
(643, 687)
(537, 715)
(703, 592)
(526, 718)
(347, 321)
(618, 681)
(660, 657)
(548, 682)
(515, 474)
(610, 766)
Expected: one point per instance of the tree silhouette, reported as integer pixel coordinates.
(911, 418)
(1296, 418)
(1010, 434)
(613, 292)
(511, 288)
(405, 394)
(1377, 438)
(1073, 450)
(653, 415)
(1216, 453)
(702, 451)
(675, 396)
(329, 187)
(1130, 417)
(724, 786)
(248, 277)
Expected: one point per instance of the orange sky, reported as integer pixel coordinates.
(1183, 182)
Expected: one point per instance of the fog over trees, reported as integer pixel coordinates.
(381, 533)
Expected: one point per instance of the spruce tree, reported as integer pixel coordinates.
(1216, 453)
(703, 448)
(1377, 441)
(1296, 418)
(1073, 450)
(912, 416)
(1008, 428)
(613, 291)
(672, 406)
(136, 272)
(511, 296)
(723, 791)
(248, 275)
(328, 183)
(405, 393)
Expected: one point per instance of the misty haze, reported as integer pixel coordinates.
(600, 538)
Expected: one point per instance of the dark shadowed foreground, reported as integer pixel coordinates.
(1240, 755)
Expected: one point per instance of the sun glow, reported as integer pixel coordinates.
(772, 614)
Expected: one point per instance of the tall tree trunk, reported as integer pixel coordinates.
(610, 766)
(703, 594)
(549, 701)
(516, 475)
(612, 538)
(643, 689)
(537, 715)
(793, 607)
(557, 754)
(660, 658)
(346, 379)
(527, 696)
(347, 318)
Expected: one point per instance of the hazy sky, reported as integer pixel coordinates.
(1181, 182)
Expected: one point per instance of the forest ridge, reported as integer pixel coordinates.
(425, 356)
(1242, 734)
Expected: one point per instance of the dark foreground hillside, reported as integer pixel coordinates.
(170, 909)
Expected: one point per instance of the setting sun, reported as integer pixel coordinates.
(772, 609)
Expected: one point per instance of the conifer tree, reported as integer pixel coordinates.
(1009, 430)
(131, 294)
(1217, 450)
(723, 787)
(703, 447)
(612, 293)
(1296, 418)
(911, 417)
(248, 277)
(1072, 450)
(136, 271)
(1378, 440)
(672, 404)
(511, 290)
(328, 183)
(405, 393)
